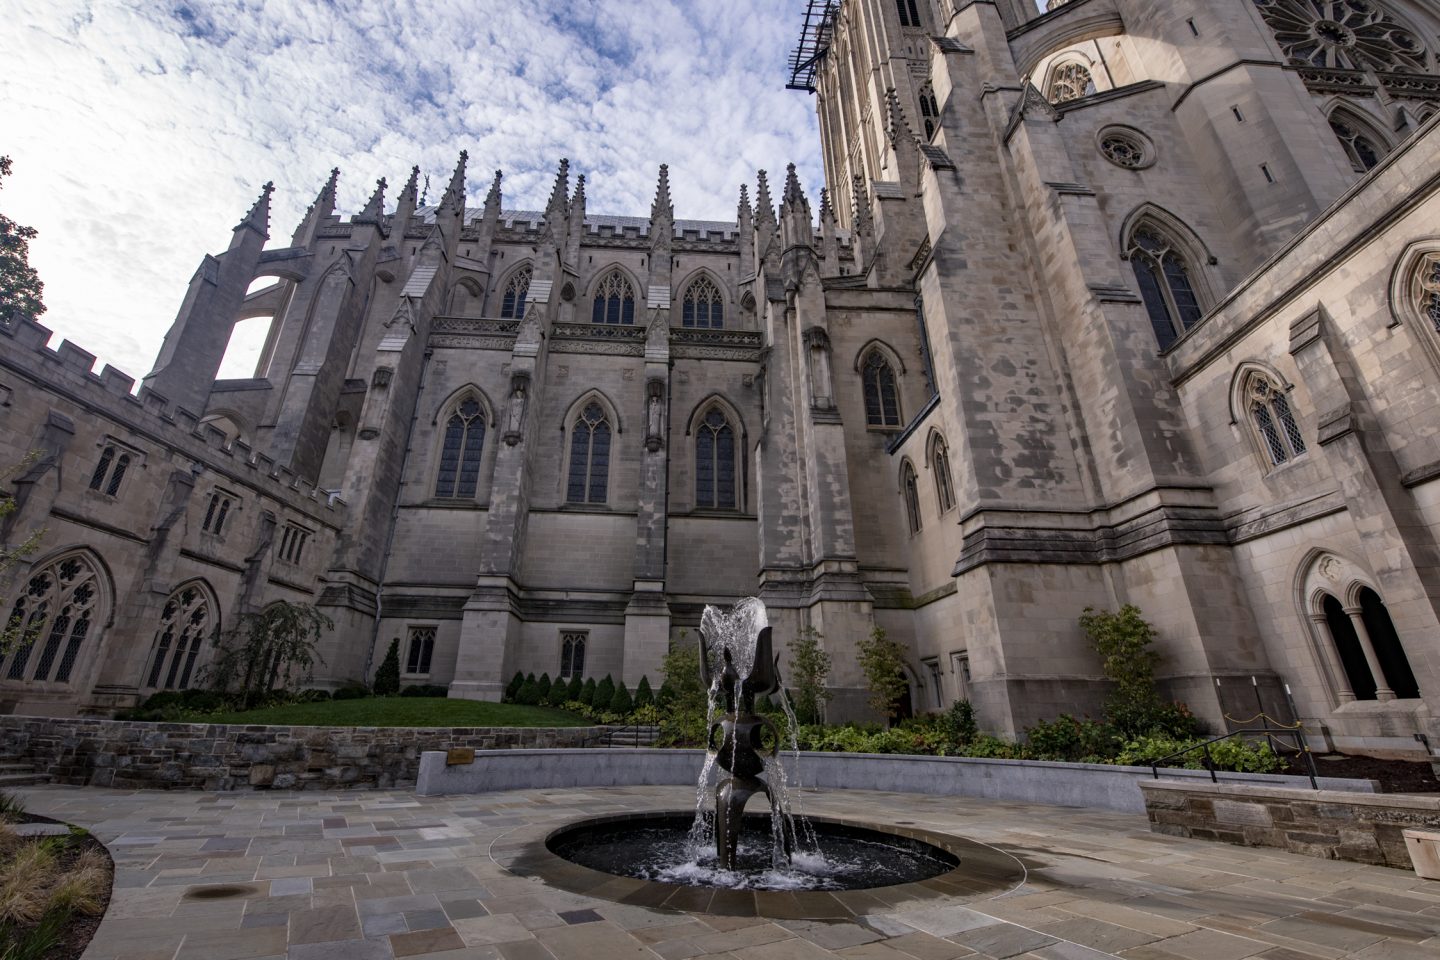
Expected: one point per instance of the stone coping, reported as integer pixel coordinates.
(984, 872)
(1414, 801)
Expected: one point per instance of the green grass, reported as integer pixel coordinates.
(403, 712)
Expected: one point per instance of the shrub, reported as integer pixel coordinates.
(1232, 754)
(587, 692)
(1135, 708)
(644, 697)
(387, 676)
(960, 721)
(545, 685)
(277, 647)
(665, 695)
(576, 685)
(1066, 738)
(513, 687)
(352, 692)
(313, 696)
(604, 693)
(882, 661)
(621, 702)
(557, 694)
(529, 694)
(809, 668)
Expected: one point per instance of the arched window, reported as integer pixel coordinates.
(703, 305)
(1272, 420)
(512, 304)
(460, 450)
(614, 300)
(882, 401)
(589, 456)
(1366, 641)
(1362, 146)
(1343, 34)
(55, 613)
(910, 490)
(1165, 285)
(909, 13)
(186, 621)
(1070, 80)
(929, 110)
(420, 651)
(572, 653)
(1429, 283)
(715, 462)
(940, 466)
(110, 471)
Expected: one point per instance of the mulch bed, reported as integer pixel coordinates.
(1395, 776)
(78, 932)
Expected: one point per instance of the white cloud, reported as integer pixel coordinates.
(142, 131)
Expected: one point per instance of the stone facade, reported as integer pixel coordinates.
(1127, 301)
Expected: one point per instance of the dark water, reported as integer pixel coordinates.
(659, 848)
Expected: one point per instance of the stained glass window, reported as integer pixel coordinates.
(589, 457)
(909, 13)
(512, 305)
(910, 489)
(58, 607)
(882, 402)
(421, 649)
(940, 466)
(1274, 421)
(460, 450)
(572, 653)
(1362, 150)
(110, 471)
(1165, 285)
(715, 463)
(614, 300)
(185, 622)
(1343, 34)
(703, 305)
(1070, 81)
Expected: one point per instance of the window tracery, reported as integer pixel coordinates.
(1360, 147)
(420, 652)
(460, 450)
(1343, 34)
(1273, 420)
(1070, 80)
(59, 606)
(702, 305)
(589, 456)
(512, 304)
(715, 462)
(185, 623)
(940, 466)
(110, 470)
(1166, 288)
(614, 300)
(929, 110)
(1125, 148)
(882, 400)
(572, 653)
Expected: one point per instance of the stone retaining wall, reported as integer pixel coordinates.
(197, 756)
(1319, 823)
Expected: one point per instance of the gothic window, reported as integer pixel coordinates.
(1070, 80)
(882, 401)
(1126, 147)
(909, 13)
(1430, 292)
(1364, 638)
(614, 300)
(703, 305)
(572, 653)
(292, 542)
(1165, 284)
(217, 511)
(512, 304)
(110, 470)
(910, 490)
(1343, 34)
(589, 456)
(715, 462)
(940, 466)
(1272, 420)
(929, 110)
(419, 651)
(55, 613)
(1360, 145)
(186, 621)
(460, 450)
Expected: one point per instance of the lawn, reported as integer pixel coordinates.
(403, 712)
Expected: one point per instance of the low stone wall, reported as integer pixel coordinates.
(136, 755)
(1093, 785)
(1324, 823)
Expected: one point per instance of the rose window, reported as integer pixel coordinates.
(1343, 34)
(1124, 150)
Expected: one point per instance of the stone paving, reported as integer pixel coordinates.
(386, 874)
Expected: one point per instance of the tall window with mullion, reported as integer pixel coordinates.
(185, 622)
(715, 463)
(702, 305)
(460, 450)
(1274, 421)
(421, 650)
(910, 491)
(110, 470)
(572, 653)
(1165, 285)
(512, 304)
(60, 605)
(614, 300)
(882, 400)
(589, 456)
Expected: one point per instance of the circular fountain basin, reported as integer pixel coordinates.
(956, 869)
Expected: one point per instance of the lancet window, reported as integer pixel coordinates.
(940, 466)
(909, 13)
(460, 450)
(882, 400)
(703, 306)
(420, 651)
(929, 110)
(614, 300)
(1362, 150)
(910, 490)
(512, 303)
(110, 470)
(715, 462)
(186, 620)
(1165, 285)
(572, 653)
(1273, 420)
(589, 456)
(52, 619)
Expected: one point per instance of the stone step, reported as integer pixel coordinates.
(22, 779)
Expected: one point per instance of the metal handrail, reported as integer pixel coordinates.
(1297, 731)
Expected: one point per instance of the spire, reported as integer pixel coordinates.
(764, 209)
(897, 128)
(560, 193)
(454, 198)
(577, 202)
(374, 211)
(825, 211)
(793, 193)
(795, 226)
(318, 212)
(258, 219)
(492, 199)
(409, 197)
(742, 211)
(662, 208)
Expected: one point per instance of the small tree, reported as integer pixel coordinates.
(587, 692)
(683, 695)
(545, 687)
(556, 695)
(529, 695)
(1123, 641)
(882, 661)
(272, 649)
(621, 702)
(644, 696)
(604, 693)
(20, 286)
(387, 676)
(513, 687)
(576, 685)
(809, 668)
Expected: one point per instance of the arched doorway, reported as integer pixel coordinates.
(1347, 645)
(1393, 662)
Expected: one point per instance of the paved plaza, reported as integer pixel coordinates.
(376, 875)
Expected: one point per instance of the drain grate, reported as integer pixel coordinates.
(220, 892)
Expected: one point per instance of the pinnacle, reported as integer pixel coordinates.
(825, 210)
(494, 195)
(662, 208)
(561, 191)
(578, 199)
(259, 216)
(412, 186)
(374, 211)
(455, 191)
(326, 197)
(793, 193)
(763, 206)
(897, 127)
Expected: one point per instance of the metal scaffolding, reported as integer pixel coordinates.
(814, 42)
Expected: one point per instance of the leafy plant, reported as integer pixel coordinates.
(882, 661)
(1066, 738)
(961, 724)
(809, 669)
(604, 693)
(576, 687)
(20, 286)
(1123, 641)
(684, 697)
(621, 702)
(644, 697)
(276, 647)
(587, 692)
(513, 687)
(387, 677)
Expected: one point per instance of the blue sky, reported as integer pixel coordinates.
(142, 131)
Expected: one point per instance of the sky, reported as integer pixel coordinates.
(141, 132)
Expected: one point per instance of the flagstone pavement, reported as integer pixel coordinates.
(385, 874)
